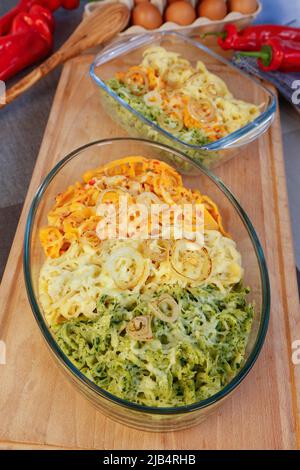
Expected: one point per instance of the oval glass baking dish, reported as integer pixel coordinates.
(119, 57)
(69, 170)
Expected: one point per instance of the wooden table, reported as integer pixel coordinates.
(40, 409)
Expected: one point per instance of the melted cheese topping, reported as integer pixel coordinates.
(181, 98)
(80, 267)
(71, 284)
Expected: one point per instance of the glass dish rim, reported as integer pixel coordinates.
(65, 361)
(139, 40)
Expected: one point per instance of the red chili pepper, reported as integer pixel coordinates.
(276, 54)
(25, 5)
(20, 50)
(251, 38)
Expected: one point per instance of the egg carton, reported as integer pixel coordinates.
(204, 25)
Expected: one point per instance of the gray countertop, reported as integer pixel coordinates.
(22, 126)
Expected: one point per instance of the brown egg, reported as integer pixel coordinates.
(173, 1)
(181, 13)
(146, 15)
(212, 9)
(243, 6)
(137, 2)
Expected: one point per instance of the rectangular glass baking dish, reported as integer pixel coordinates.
(120, 56)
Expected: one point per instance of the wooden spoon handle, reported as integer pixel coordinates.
(94, 30)
(33, 77)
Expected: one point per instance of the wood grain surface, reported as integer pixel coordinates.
(38, 406)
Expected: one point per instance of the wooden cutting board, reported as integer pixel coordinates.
(38, 406)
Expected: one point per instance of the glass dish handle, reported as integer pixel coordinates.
(252, 135)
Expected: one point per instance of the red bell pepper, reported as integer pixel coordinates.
(21, 50)
(31, 39)
(7, 19)
(276, 54)
(251, 38)
(38, 12)
(70, 4)
(38, 17)
(25, 5)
